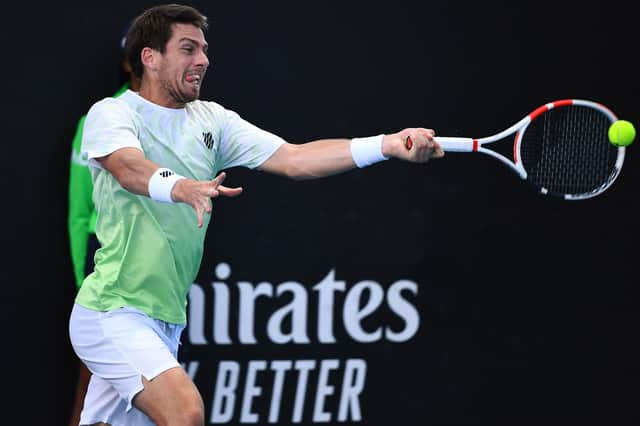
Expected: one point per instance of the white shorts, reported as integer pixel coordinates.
(119, 347)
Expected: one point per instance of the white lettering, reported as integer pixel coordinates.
(323, 390)
(296, 310)
(326, 289)
(280, 368)
(289, 323)
(226, 392)
(303, 367)
(352, 386)
(224, 396)
(248, 296)
(404, 310)
(251, 391)
(353, 315)
(221, 314)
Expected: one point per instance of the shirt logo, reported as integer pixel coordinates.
(207, 138)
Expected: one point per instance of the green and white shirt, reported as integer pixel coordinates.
(151, 251)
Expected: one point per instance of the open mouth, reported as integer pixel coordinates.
(194, 79)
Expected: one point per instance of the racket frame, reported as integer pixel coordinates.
(464, 144)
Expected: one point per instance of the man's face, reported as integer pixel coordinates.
(184, 63)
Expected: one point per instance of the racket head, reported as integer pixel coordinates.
(564, 149)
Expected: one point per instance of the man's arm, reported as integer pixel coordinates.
(130, 168)
(332, 156)
(134, 172)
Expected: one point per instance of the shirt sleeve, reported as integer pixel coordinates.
(244, 144)
(109, 126)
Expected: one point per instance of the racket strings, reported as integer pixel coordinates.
(566, 150)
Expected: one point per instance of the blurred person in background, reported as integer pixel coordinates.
(82, 214)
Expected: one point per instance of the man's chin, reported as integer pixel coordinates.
(184, 99)
(192, 95)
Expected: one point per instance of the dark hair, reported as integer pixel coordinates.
(122, 76)
(153, 29)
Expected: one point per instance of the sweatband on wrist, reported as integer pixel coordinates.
(161, 183)
(367, 151)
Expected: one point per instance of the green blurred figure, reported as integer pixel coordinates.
(82, 218)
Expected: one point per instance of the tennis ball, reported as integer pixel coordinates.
(621, 133)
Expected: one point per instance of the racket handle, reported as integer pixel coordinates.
(456, 144)
(451, 144)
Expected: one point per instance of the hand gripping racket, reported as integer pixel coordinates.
(561, 148)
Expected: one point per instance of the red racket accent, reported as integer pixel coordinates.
(545, 108)
(515, 151)
(563, 102)
(475, 145)
(538, 111)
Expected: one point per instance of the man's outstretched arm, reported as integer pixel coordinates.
(327, 157)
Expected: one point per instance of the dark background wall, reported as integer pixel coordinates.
(526, 302)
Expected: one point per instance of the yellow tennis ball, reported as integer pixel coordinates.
(621, 133)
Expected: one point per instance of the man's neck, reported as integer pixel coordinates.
(153, 92)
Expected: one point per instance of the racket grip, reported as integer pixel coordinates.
(456, 144)
(451, 144)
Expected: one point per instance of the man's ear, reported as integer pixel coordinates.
(149, 58)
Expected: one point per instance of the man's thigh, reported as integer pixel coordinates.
(169, 395)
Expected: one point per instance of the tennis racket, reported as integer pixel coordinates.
(561, 148)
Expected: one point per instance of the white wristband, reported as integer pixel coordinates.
(367, 151)
(161, 183)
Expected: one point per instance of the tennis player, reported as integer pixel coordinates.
(157, 159)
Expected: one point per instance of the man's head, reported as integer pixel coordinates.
(167, 43)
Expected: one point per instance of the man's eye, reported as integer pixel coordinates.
(188, 49)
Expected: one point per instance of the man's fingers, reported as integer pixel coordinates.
(229, 192)
(203, 192)
(200, 217)
(219, 179)
(422, 144)
(201, 208)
